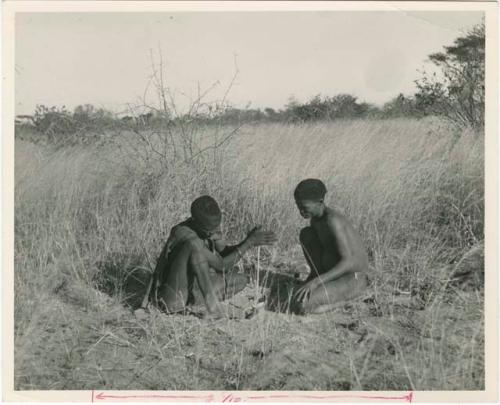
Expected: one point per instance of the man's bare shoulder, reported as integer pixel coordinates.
(181, 233)
(335, 218)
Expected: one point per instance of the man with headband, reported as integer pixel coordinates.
(333, 250)
(196, 266)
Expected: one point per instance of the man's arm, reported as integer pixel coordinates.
(347, 261)
(227, 256)
(344, 266)
(232, 254)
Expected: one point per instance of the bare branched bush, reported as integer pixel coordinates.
(162, 131)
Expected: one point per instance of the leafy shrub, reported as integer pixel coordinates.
(457, 93)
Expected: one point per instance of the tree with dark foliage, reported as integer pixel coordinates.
(458, 92)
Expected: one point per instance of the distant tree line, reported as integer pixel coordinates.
(85, 122)
(454, 91)
(325, 108)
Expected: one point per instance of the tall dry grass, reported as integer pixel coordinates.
(414, 189)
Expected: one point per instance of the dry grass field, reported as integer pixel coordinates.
(91, 220)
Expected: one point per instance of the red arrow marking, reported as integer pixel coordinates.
(408, 397)
(102, 396)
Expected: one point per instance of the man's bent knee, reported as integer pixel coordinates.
(336, 293)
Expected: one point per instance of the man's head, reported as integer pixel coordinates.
(206, 214)
(309, 196)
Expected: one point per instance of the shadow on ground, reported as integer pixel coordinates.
(279, 289)
(126, 277)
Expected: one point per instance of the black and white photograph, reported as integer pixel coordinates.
(269, 200)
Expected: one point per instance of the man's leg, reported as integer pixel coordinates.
(229, 283)
(224, 286)
(335, 293)
(187, 269)
(190, 281)
(173, 293)
(234, 284)
(311, 246)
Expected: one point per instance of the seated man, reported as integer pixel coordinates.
(333, 250)
(196, 266)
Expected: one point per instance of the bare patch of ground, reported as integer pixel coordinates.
(90, 340)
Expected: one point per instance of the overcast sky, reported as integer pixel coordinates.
(103, 59)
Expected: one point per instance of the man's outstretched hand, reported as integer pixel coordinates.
(258, 237)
